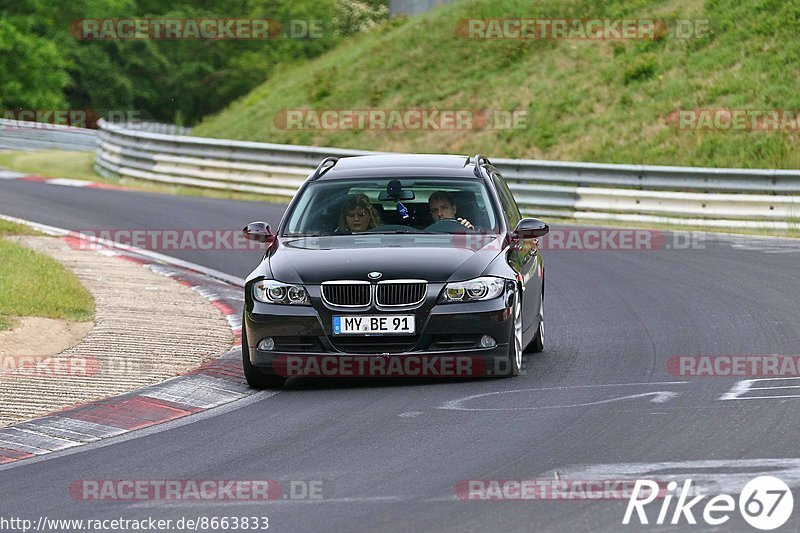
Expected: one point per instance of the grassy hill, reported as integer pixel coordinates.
(586, 100)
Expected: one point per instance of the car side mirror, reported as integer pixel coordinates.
(258, 231)
(530, 228)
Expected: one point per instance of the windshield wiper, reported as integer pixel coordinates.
(390, 232)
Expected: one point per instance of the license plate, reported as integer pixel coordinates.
(373, 324)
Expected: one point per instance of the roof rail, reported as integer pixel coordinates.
(322, 169)
(478, 160)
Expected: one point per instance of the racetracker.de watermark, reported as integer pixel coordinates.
(72, 367)
(558, 239)
(551, 489)
(581, 29)
(199, 489)
(26, 119)
(593, 240)
(734, 366)
(39, 366)
(728, 119)
(194, 29)
(388, 366)
(400, 119)
(225, 240)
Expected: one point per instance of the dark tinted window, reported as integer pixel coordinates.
(507, 200)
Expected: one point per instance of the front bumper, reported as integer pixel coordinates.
(447, 341)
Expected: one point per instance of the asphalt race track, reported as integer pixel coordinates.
(391, 453)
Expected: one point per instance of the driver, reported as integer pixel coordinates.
(443, 207)
(357, 215)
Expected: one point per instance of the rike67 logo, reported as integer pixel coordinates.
(765, 503)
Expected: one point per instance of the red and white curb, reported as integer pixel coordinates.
(64, 182)
(215, 383)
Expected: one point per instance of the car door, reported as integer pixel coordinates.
(526, 259)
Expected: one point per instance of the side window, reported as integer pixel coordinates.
(507, 200)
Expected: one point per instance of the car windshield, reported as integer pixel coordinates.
(392, 205)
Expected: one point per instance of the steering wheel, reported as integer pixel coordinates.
(447, 225)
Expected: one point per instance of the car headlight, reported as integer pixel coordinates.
(473, 290)
(274, 292)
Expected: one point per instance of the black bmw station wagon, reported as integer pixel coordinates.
(406, 260)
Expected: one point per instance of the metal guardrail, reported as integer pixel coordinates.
(692, 196)
(413, 7)
(19, 135)
(159, 127)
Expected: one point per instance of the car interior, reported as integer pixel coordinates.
(322, 216)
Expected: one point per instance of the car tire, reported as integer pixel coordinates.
(256, 377)
(537, 344)
(515, 348)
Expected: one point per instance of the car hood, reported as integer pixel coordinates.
(436, 258)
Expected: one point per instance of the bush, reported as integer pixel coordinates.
(642, 67)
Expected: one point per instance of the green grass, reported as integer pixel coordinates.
(80, 166)
(51, 163)
(10, 228)
(34, 285)
(607, 101)
(23, 290)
